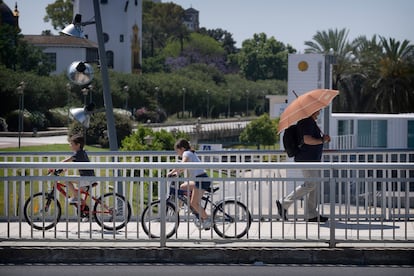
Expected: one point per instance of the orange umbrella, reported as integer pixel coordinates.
(305, 105)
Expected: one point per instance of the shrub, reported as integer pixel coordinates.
(3, 124)
(97, 131)
(57, 117)
(143, 115)
(12, 120)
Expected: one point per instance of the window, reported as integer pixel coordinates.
(121, 38)
(372, 133)
(110, 59)
(410, 134)
(105, 37)
(346, 134)
(104, 1)
(52, 60)
(345, 127)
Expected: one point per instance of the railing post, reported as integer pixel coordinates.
(332, 209)
(163, 211)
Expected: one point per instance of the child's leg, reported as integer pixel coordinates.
(72, 192)
(195, 200)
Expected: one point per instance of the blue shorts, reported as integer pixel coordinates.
(205, 185)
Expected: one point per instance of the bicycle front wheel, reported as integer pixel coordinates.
(112, 211)
(151, 219)
(42, 211)
(231, 219)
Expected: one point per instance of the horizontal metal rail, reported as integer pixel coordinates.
(365, 202)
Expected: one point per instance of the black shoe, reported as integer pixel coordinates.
(282, 212)
(321, 219)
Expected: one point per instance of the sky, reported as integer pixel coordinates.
(289, 21)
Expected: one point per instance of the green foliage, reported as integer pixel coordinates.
(261, 131)
(373, 75)
(57, 117)
(263, 58)
(96, 133)
(145, 138)
(18, 55)
(60, 13)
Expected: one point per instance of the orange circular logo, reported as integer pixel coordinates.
(303, 66)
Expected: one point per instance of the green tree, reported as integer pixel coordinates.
(262, 58)
(145, 138)
(223, 37)
(261, 131)
(161, 22)
(9, 38)
(394, 91)
(333, 42)
(59, 13)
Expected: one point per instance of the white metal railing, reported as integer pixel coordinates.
(367, 195)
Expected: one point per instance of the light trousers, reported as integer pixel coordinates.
(309, 189)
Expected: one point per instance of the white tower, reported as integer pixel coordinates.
(122, 25)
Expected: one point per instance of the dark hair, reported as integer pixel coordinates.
(77, 139)
(182, 143)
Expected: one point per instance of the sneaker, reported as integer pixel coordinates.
(206, 224)
(197, 223)
(282, 212)
(73, 200)
(316, 219)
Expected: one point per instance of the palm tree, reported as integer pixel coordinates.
(326, 42)
(394, 92)
(334, 42)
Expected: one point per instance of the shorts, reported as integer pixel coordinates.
(205, 185)
(83, 183)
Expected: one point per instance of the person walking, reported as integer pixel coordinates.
(310, 151)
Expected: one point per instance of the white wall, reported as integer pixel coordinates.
(115, 22)
(65, 57)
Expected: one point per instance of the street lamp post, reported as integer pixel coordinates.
(110, 119)
(68, 90)
(85, 92)
(156, 96)
(126, 90)
(208, 103)
(247, 103)
(183, 102)
(228, 103)
(20, 92)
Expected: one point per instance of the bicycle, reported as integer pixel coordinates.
(230, 217)
(43, 210)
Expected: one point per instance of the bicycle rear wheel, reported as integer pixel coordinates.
(231, 219)
(42, 211)
(112, 211)
(151, 219)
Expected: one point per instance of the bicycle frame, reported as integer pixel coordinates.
(184, 196)
(84, 194)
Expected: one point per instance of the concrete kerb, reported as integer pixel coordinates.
(229, 255)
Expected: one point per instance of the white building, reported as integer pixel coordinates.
(347, 130)
(122, 27)
(63, 50)
(368, 131)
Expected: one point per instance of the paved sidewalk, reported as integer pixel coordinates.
(13, 142)
(131, 245)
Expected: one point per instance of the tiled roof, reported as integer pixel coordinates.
(59, 41)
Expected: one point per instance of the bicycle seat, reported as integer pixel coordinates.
(215, 189)
(94, 184)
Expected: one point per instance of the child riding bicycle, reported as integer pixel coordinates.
(196, 188)
(77, 143)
